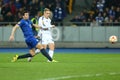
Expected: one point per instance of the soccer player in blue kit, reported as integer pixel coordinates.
(26, 26)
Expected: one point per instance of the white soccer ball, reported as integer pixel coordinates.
(29, 59)
(113, 39)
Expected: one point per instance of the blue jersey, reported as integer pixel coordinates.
(26, 26)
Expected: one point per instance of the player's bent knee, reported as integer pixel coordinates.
(39, 46)
(52, 47)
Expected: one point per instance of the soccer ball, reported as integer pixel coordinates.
(113, 39)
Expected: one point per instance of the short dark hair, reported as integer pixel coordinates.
(24, 12)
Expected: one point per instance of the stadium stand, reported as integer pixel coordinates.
(103, 12)
(10, 10)
(100, 12)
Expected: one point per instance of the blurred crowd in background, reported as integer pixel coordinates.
(10, 10)
(101, 13)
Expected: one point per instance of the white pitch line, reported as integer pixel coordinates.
(68, 77)
(114, 73)
(78, 76)
(63, 77)
(98, 74)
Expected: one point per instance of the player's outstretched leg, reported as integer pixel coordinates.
(16, 57)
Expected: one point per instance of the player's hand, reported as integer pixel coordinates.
(37, 36)
(11, 38)
(53, 26)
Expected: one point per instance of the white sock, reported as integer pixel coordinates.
(37, 51)
(51, 52)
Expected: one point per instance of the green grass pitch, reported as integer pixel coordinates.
(70, 67)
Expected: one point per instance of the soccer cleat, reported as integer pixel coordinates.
(14, 58)
(54, 60)
(48, 61)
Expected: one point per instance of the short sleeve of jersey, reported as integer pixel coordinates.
(40, 22)
(20, 23)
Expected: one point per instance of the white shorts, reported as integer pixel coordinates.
(46, 39)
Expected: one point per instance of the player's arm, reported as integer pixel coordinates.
(36, 26)
(52, 26)
(13, 32)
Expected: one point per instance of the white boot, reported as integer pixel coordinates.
(36, 52)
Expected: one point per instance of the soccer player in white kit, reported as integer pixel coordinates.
(45, 33)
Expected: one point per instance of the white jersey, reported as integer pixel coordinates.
(45, 32)
(45, 24)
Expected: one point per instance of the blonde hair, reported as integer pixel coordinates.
(46, 9)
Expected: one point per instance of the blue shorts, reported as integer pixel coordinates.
(31, 42)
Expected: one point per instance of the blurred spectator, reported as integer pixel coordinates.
(12, 7)
(5, 10)
(119, 18)
(1, 18)
(0, 8)
(41, 8)
(51, 7)
(47, 2)
(9, 17)
(90, 18)
(99, 18)
(110, 22)
(117, 13)
(105, 16)
(116, 23)
(94, 23)
(18, 16)
(34, 8)
(18, 5)
(106, 11)
(75, 21)
(51, 4)
(93, 7)
(100, 5)
(112, 13)
(6, 1)
(58, 15)
(82, 17)
(25, 4)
